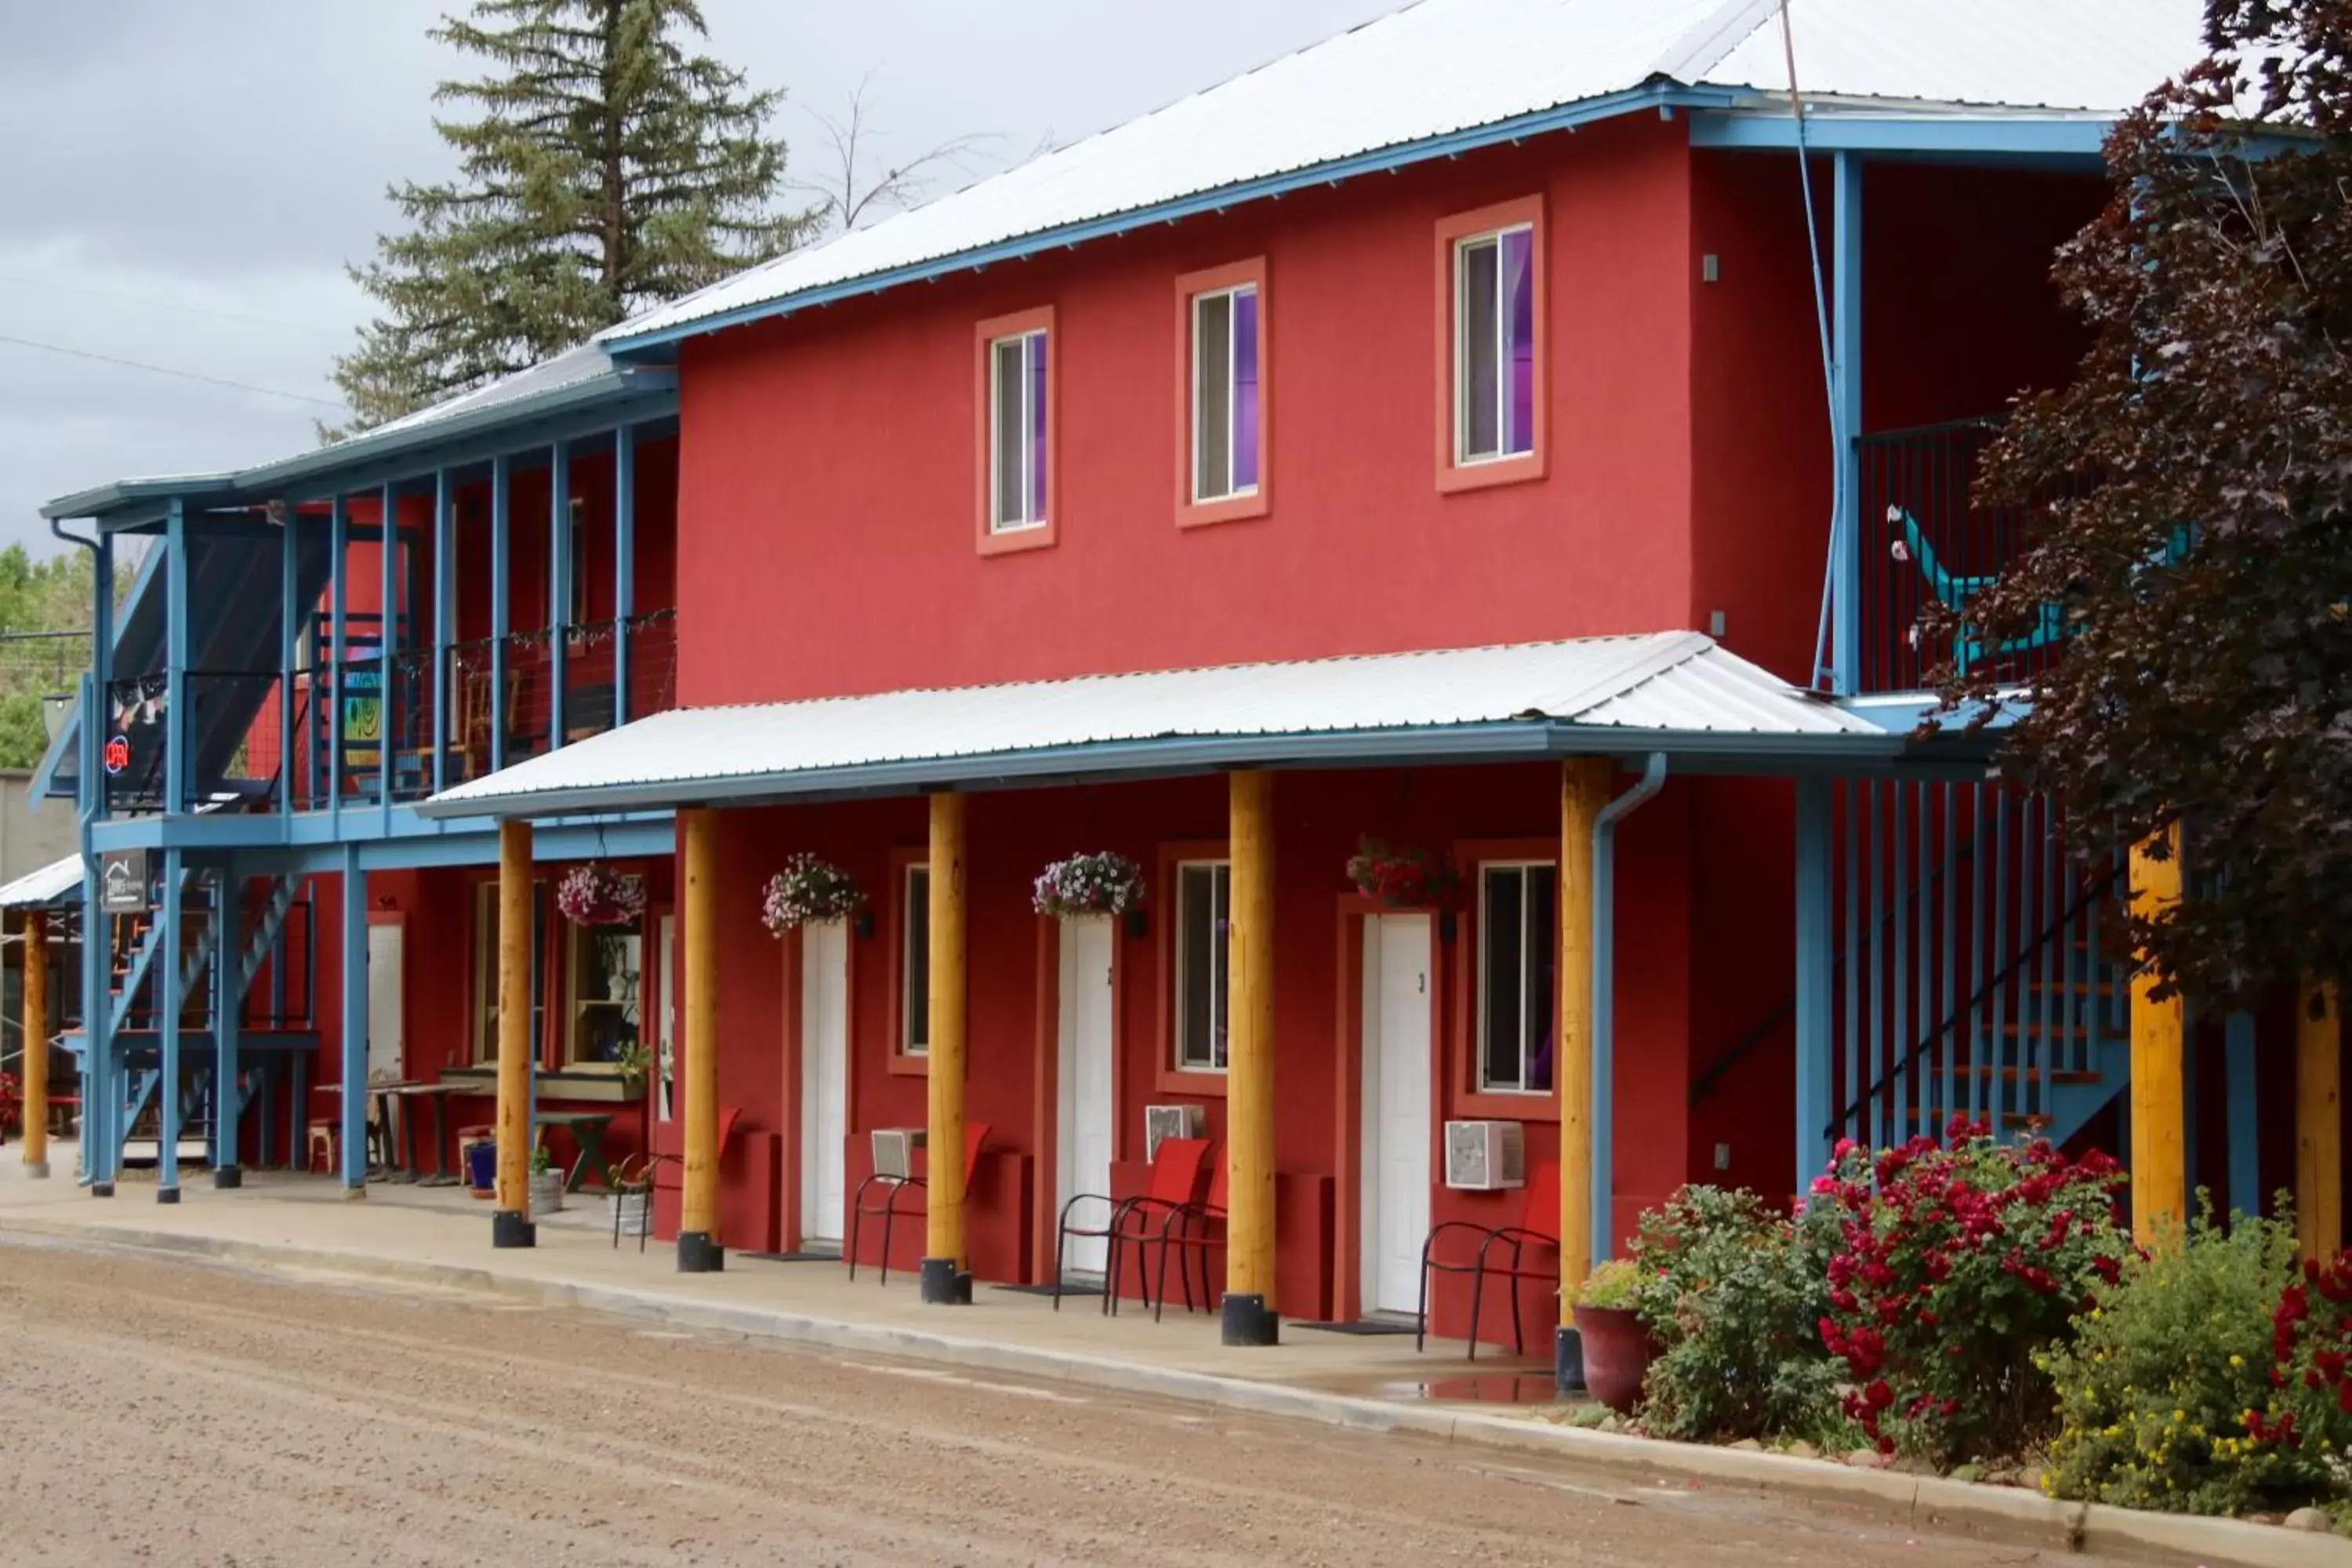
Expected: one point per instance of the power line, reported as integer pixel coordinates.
(306, 329)
(166, 369)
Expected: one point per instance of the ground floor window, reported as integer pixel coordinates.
(486, 970)
(604, 974)
(1518, 937)
(1203, 890)
(915, 962)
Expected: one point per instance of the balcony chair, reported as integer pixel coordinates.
(1954, 593)
(1174, 1182)
(885, 1208)
(634, 1178)
(1186, 1227)
(1538, 1226)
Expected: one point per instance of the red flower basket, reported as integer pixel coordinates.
(1402, 879)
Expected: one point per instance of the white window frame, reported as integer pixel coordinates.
(1219, 956)
(1463, 457)
(1033, 515)
(911, 985)
(1232, 387)
(1486, 973)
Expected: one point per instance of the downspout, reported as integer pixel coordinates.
(1604, 994)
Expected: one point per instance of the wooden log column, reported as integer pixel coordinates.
(511, 1224)
(1248, 1313)
(37, 1043)
(2159, 1181)
(946, 1258)
(698, 1248)
(2319, 1121)
(1584, 785)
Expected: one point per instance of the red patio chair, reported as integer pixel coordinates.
(1538, 1222)
(1187, 1226)
(1174, 1182)
(886, 1210)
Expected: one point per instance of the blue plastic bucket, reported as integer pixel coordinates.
(482, 1167)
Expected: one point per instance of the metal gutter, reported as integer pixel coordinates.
(1602, 1194)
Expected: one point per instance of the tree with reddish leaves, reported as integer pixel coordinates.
(2193, 491)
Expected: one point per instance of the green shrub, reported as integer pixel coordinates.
(1614, 1284)
(1732, 1291)
(2154, 1391)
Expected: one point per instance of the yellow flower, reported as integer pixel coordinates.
(2236, 1361)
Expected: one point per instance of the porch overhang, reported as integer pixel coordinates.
(1677, 693)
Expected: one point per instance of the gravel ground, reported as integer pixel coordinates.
(194, 1414)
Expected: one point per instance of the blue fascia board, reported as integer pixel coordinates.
(108, 500)
(1653, 95)
(2072, 136)
(1505, 741)
(396, 839)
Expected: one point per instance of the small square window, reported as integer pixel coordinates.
(1518, 938)
(1202, 889)
(1494, 345)
(915, 963)
(1225, 393)
(1016, 425)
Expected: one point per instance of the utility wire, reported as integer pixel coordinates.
(166, 369)
(306, 329)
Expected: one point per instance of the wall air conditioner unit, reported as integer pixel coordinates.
(1485, 1156)
(1167, 1122)
(894, 1151)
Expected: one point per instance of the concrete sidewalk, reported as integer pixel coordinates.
(440, 1238)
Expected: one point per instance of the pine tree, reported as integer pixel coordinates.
(609, 170)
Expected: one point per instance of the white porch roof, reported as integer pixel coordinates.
(41, 889)
(1662, 690)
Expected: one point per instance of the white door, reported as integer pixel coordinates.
(1083, 1144)
(825, 1080)
(1396, 1110)
(384, 1011)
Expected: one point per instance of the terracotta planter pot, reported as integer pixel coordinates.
(1617, 1351)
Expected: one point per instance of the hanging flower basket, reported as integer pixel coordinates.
(596, 895)
(808, 891)
(1102, 884)
(1401, 879)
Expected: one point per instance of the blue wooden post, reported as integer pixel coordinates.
(167, 1007)
(289, 628)
(1845, 312)
(445, 596)
(228, 993)
(387, 633)
(177, 731)
(1814, 828)
(501, 499)
(624, 571)
(559, 585)
(355, 1023)
(340, 546)
(97, 926)
(2245, 1164)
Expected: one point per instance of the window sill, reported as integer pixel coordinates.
(604, 1087)
(1233, 509)
(1492, 1105)
(1456, 478)
(905, 1065)
(1014, 541)
(1201, 1083)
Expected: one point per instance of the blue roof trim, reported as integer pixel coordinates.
(1653, 95)
(2071, 136)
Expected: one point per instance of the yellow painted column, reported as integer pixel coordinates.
(699, 1251)
(1249, 1310)
(511, 1226)
(947, 1256)
(2319, 1121)
(1584, 784)
(37, 1042)
(2159, 1181)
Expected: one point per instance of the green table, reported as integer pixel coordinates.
(587, 1130)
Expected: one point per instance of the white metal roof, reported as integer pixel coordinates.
(36, 889)
(1443, 66)
(1663, 683)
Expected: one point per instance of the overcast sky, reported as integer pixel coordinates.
(181, 185)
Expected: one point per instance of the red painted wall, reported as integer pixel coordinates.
(828, 459)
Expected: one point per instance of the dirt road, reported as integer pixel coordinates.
(169, 1413)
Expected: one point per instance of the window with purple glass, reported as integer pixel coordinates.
(1225, 393)
(1016, 427)
(1494, 345)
